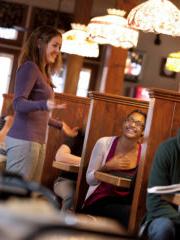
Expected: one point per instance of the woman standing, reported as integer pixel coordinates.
(33, 101)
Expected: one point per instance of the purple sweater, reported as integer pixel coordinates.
(30, 104)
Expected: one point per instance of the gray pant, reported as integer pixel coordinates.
(65, 189)
(25, 158)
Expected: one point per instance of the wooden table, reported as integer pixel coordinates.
(113, 179)
(66, 167)
(172, 198)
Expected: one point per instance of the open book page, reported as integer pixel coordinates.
(174, 188)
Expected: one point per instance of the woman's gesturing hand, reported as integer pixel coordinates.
(51, 104)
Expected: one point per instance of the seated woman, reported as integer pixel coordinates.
(120, 153)
(6, 121)
(69, 152)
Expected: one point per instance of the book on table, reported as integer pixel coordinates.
(168, 189)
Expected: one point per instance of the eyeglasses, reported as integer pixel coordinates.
(138, 124)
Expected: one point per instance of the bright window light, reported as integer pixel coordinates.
(6, 61)
(59, 81)
(8, 33)
(83, 84)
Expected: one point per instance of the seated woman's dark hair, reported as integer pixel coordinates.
(138, 111)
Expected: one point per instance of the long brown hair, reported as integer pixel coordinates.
(32, 52)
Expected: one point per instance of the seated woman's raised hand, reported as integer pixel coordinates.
(121, 162)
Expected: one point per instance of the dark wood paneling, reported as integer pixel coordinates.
(106, 114)
(7, 100)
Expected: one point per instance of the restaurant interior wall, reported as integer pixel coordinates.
(153, 54)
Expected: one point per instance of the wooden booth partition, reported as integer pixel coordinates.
(163, 121)
(75, 114)
(106, 115)
(7, 100)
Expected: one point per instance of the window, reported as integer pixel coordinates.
(6, 62)
(8, 33)
(12, 16)
(59, 80)
(83, 84)
(86, 82)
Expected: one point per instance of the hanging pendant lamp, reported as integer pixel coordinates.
(76, 41)
(157, 16)
(173, 62)
(113, 29)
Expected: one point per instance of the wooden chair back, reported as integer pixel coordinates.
(106, 115)
(75, 114)
(7, 101)
(163, 121)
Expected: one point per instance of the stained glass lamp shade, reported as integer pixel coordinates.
(113, 29)
(77, 41)
(157, 16)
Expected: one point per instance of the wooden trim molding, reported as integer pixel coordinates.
(118, 99)
(164, 94)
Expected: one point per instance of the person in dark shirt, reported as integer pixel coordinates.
(163, 217)
(69, 152)
(33, 103)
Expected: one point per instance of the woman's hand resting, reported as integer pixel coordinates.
(51, 104)
(121, 162)
(71, 132)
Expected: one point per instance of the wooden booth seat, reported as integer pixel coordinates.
(105, 118)
(103, 115)
(75, 114)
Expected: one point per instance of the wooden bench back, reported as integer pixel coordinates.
(163, 121)
(106, 115)
(7, 101)
(75, 114)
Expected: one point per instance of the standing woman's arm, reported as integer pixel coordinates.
(25, 80)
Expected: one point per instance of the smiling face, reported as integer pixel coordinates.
(53, 49)
(133, 126)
